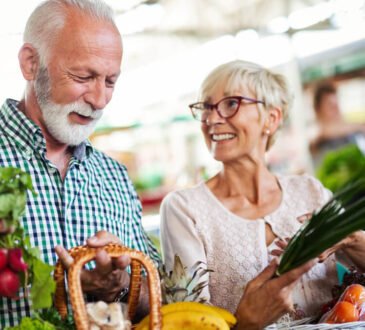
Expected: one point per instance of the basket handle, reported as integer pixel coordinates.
(84, 254)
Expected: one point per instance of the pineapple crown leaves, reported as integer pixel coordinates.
(343, 214)
(182, 284)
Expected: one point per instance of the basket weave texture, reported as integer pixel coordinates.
(82, 255)
(320, 326)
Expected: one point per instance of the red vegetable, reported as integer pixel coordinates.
(16, 261)
(343, 312)
(354, 294)
(9, 283)
(3, 258)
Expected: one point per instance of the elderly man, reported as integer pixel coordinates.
(71, 60)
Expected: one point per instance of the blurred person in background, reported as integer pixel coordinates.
(333, 131)
(71, 60)
(236, 220)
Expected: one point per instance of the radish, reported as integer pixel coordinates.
(9, 283)
(3, 258)
(16, 261)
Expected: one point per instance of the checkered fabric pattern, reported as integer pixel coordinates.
(96, 194)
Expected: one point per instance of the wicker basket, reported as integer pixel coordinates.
(299, 325)
(84, 254)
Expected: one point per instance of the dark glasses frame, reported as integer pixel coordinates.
(198, 108)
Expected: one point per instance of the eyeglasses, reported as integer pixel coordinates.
(226, 107)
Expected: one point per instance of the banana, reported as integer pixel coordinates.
(193, 320)
(198, 307)
(189, 306)
(226, 315)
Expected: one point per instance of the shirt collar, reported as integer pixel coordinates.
(28, 135)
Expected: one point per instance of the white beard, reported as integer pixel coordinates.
(57, 122)
(55, 115)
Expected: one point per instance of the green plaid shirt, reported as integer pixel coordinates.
(96, 194)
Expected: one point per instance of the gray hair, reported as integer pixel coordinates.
(50, 16)
(267, 86)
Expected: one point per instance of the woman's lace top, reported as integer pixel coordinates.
(197, 227)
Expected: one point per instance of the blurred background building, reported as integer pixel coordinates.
(170, 45)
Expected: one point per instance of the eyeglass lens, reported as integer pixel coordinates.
(226, 108)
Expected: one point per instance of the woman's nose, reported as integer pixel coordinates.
(213, 117)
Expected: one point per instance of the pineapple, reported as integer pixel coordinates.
(182, 284)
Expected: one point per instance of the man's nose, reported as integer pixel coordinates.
(97, 96)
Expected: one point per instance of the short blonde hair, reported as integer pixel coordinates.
(267, 86)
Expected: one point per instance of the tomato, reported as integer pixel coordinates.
(354, 294)
(343, 312)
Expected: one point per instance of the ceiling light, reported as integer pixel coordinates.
(309, 16)
(140, 19)
(278, 25)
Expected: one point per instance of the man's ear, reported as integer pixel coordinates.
(29, 61)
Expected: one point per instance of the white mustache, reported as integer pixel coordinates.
(83, 110)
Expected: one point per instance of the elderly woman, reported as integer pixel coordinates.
(232, 221)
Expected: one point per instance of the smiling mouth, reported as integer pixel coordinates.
(222, 137)
(79, 119)
(82, 116)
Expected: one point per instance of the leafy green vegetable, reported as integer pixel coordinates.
(340, 166)
(43, 285)
(47, 319)
(51, 315)
(339, 217)
(28, 323)
(14, 184)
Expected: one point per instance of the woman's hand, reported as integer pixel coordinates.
(266, 298)
(108, 277)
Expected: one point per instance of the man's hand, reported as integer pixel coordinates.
(108, 277)
(265, 298)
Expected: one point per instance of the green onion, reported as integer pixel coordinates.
(342, 215)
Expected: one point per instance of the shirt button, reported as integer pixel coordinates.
(29, 153)
(52, 170)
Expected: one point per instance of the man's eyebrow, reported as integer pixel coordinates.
(93, 72)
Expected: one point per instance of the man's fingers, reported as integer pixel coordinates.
(103, 262)
(122, 262)
(102, 238)
(65, 258)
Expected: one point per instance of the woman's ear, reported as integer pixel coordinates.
(273, 120)
(29, 61)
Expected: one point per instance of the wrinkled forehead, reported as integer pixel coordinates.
(233, 84)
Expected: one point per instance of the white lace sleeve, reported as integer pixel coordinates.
(179, 236)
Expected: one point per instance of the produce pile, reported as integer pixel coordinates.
(350, 307)
(22, 272)
(341, 166)
(192, 315)
(20, 263)
(183, 307)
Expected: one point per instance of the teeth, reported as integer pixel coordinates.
(221, 137)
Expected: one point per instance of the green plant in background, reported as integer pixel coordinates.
(156, 241)
(340, 166)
